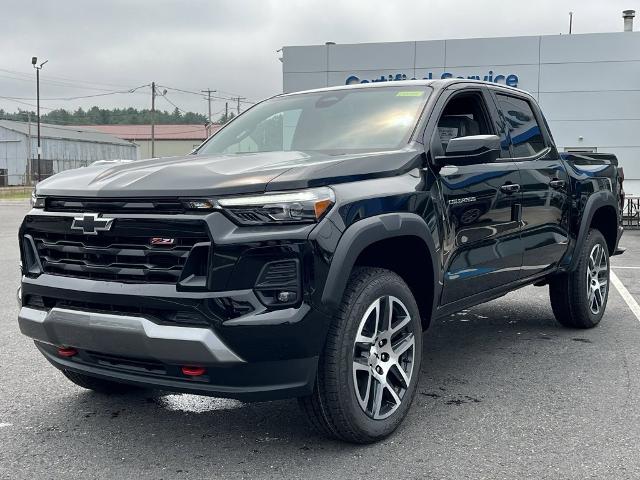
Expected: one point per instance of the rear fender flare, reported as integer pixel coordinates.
(597, 200)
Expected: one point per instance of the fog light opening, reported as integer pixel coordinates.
(67, 351)
(192, 371)
(286, 297)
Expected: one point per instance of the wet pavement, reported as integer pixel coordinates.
(505, 393)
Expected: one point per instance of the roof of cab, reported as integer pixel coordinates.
(436, 84)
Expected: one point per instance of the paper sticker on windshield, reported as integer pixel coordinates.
(447, 133)
(417, 93)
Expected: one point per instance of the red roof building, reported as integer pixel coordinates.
(170, 140)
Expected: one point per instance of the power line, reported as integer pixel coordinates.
(200, 94)
(24, 103)
(131, 90)
(73, 82)
(76, 83)
(110, 92)
(174, 105)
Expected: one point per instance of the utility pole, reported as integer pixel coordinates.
(34, 61)
(238, 99)
(208, 91)
(226, 112)
(153, 119)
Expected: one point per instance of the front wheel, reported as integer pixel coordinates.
(579, 298)
(369, 370)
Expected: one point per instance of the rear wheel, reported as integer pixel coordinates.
(98, 384)
(579, 298)
(368, 372)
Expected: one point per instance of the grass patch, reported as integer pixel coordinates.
(14, 195)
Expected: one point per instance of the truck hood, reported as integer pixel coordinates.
(214, 175)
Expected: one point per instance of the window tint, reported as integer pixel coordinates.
(521, 126)
(462, 116)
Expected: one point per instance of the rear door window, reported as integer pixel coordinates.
(521, 126)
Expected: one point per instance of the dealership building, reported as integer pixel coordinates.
(588, 85)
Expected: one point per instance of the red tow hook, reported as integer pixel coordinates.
(67, 351)
(192, 371)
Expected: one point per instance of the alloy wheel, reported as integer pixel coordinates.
(597, 278)
(383, 357)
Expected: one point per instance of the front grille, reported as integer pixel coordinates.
(124, 254)
(114, 205)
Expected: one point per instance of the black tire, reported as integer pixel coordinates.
(98, 384)
(334, 408)
(569, 292)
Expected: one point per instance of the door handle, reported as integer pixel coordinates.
(557, 183)
(510, 188)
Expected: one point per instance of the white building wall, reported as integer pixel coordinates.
(588, 85)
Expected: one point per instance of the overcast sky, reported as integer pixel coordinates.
(97, 46)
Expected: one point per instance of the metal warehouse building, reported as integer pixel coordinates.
(62, 148)
(588, 85)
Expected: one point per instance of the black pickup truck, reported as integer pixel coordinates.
(303, 249)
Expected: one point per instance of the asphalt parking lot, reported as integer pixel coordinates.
(505, 393)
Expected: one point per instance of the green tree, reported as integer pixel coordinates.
(226, 118)
(115, 116)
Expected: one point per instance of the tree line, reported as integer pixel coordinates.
(114, 116)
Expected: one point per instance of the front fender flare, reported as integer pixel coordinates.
(367, 232)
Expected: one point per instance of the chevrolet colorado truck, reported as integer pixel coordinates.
(303, 249)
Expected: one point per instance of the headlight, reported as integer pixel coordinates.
(302, 206)
(36, 201)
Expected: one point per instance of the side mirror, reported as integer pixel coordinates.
(471, 150)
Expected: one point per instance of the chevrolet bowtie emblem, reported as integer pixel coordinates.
(91, 224)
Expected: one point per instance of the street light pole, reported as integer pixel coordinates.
(38, 115)
(570, 22)
(34, 62)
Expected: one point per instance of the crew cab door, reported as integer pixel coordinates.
(544, 183)
(481, 247)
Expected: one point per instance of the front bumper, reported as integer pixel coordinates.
(261, 355)
(122, 335)
(138, 351)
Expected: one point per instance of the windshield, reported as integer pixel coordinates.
(359, 119)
